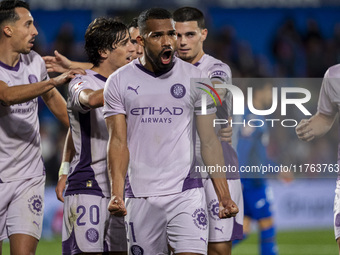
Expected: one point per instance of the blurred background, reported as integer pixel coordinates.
(256, 38)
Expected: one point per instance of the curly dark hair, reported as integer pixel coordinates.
(103, 34)
(7, 12)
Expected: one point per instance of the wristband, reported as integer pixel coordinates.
(64, 168)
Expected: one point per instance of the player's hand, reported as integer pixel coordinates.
(304, 132)
(65, 77)
(57, 63)
(228, 208)
(226, 134)
(61, 187)
(116, 206)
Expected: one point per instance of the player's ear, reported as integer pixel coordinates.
(103, 53)
(204, 33)
(140, 40)
(8, 31)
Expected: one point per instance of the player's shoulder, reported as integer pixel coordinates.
(186, 67)
(215, 67)
(333, 72)
(81, 78)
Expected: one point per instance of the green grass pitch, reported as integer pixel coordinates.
(307, 242)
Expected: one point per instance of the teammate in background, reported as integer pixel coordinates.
(319, 124)
(87, 224)
(60, 63)
(134, 32)
(149, 115)
(251, 148)
(191, 33)
(22, 174)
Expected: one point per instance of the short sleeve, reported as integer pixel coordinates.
(78, 84)
(113, 98)
(220, 72)
(326, 105)
(203, 88)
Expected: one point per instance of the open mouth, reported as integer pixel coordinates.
(166, 56)
(129, 58)
(31, 42)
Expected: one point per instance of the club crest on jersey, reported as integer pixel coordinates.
(32, 78)
(200, 219)
(92, 235)
(178, 90)
(213, 209)
(137, 250)
(35, 205)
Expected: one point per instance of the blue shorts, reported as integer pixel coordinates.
(258, 202)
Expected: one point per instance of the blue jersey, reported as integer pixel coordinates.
(251, 148)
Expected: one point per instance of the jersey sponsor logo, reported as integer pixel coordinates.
(35, 205)
(136, 250)
(178, 90)
(133, 89)
(200, 219)
(153, 112)
(32, 78)
(213, 209)
(156, 111)
(92, 235)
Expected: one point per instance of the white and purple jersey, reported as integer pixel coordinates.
(20, 152)
(216, 70)
(88, 169)
(329, 99)
(159, 111)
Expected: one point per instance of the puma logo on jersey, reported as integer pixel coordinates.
(131, 88)
(219, 229)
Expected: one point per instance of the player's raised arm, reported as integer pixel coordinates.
(212, 155)
(59, 63)
(118, 159)
(91, 98)
(315, 127)
(23, 93)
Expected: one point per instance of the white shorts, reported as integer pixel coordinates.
(337, 210)
(222, 230)
(22, 207)
(179, 220)
(89, 227)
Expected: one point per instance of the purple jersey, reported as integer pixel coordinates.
(20, 153)
(88, 173)
(159, 110)
(329, 99)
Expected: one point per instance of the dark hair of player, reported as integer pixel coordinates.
(7, 10)
(134, 23)
(153, 13)
(189, 14)
(103, 34)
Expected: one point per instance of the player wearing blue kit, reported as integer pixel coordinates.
(149, 107)
(251, 148)
(22, 175)
(88, 226)
(320, 123)
(191, 32)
